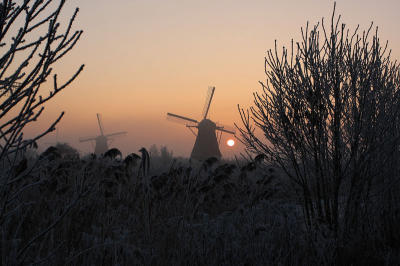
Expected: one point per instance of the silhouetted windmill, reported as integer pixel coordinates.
(101, 142)
(207, 139)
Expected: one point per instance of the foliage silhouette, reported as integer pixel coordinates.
(330, 115)
(25, 65)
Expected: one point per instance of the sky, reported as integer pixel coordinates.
(145, 58)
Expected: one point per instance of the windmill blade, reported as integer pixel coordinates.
(207, 104)
(181, 120)
(8, 85)
(83, 139)
(117, 135)
(227, 129)
(8, 82)
(100, 119)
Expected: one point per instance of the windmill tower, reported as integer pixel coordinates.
(208, 133)
(101, 142)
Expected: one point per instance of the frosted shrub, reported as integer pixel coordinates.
(328, 114)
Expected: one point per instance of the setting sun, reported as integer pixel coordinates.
(231, 142)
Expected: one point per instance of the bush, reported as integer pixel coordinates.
(165, 154)
(330, 114)
(65, 150)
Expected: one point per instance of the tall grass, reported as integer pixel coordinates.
(225, 214)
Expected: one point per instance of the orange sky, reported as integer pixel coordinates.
(145, 58)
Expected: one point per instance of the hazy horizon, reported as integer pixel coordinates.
(144, 59)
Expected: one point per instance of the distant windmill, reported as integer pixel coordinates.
(207, 139)
(101, 142)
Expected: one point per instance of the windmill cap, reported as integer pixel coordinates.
(207, 124)
(101, 137)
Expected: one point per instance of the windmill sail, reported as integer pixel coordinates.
(207, 104)
(7, 86)
(83, 139)
(117, 135)
(100, 120)
(181, 120)
(227, 129)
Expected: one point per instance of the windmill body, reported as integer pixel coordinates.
(101, 141)
(206, 144)
(101, 145)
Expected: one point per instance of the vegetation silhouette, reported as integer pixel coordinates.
(28, 54)
(329, 113)
(323, 191)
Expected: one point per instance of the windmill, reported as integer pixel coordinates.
(208, 134)
(101, 142)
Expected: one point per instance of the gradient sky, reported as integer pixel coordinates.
(145, 58)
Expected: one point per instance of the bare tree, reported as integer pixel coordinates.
(154, 151)
(30, 43)
(329, 113)
(165, 154)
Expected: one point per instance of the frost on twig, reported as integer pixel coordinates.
(25, 65)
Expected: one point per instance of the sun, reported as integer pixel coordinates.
(231, 142)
